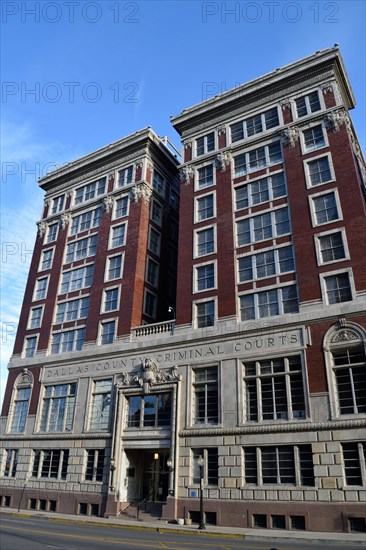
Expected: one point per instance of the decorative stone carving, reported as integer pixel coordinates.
(221, 130)
(326, 87)
(148, 375)
(187, 143)
(185, 174)
(285, 103)
(335, 119)
(139, 163)
(141, 190)
(108, 203)
(222, 161)
(47, 202)
(345, 335)
(25, 378)
(65, 219)
(42, 227)
(290, 135)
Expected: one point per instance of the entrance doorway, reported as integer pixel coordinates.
(155, 480)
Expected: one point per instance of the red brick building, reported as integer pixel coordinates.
(262, 374)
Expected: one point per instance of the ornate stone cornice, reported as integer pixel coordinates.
(290, 135)
(149, 375)
(141, 191)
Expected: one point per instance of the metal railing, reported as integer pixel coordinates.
(143, 502)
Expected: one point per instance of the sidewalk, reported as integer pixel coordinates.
(274, 535)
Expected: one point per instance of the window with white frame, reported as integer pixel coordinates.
(354, 463)
(156, 212)
(110, 299)
(114, 267)
(41, 289)
(20, 409)
(307, 104)
(11, 462)
(205, 314)
(205, 395)
(158, 182)
(30, 344)
(152, 272)
(117, 236)
(50, 463)
(259, 191)
(274, 389)
(58, 405)
(121, 207)
(149, 411)
(268, 303)
(107, 332)
(254, 125)
(154, 241)
(205, 176)
(90, 191)
(205, 277)
(52, 233)
(72, 310)
(83, 248)
(257, 159)
(68, 340)
(337, 287)
(58, 204)
(205, 144)
(264, 226)
(282, 464)
(76, 279)
(266, 264)
(150, 304)
(46, 259)
(94, 465)
(325, 208)
(125, 176)
(86, 220)
(204, 207)
(174, 199)
(35, 317)
(210, 466)
(313, 138)
(318, 171)
(205, 241)
(331, 247)
(101, 405)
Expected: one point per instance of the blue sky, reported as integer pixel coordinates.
(78, 75)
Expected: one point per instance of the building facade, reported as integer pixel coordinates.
(111, 401)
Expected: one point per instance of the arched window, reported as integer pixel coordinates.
(20, 401)
(345, 350)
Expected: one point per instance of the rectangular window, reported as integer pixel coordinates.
(205, 277)
(94, 465)
(205, 177)
(205, 243)
(111, 299)
(274, 390)
(35, 317)
(205, 144)
(307, 104)
(30, 346)
(254, 125)
(354, 462)
(125, 176)
(266, 264)
(313, 138)
(205, 314)
(108, 332)
(257, 159)
(318, 171)
(58, 406)
(338, 288)
(150, 304)
(85, 221)
(210, 466)
(90, 191)
(114, 267)
(121, 207)
(331, 247)
(58, 204)
(72, 310)
(11, 461)
(78, 250)
(68, 340)
(154, 241)
(263, 190)
(268, 303)
(117, 236)
(149, 411)
(349, 368)
(325, 208)
(284, 464)
(76, 279)
(263, 227)
(52, 233)
(152, 272)
(41, 289)
(156, 212)
(158, 183)
(50, 464)
(20, 410)
(205, 388)
(46, 261)
(101, 405)
(204, 207)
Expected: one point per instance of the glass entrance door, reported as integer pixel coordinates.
(155, 476)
